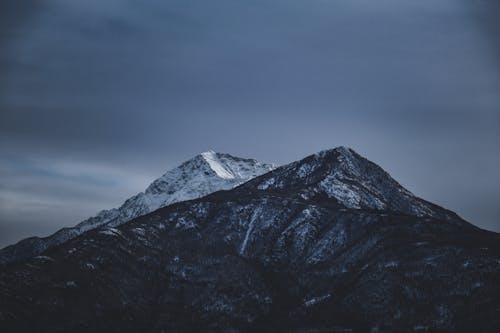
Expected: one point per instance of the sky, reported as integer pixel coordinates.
(98, 98)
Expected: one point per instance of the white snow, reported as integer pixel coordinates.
(306, 169)
(46, 258)
(316, 300)
(110, 232)
(306, 214)
(420, 328)
(139, 231)
(477, 284)
(213, 161)
(185, 223)
(267, 183)
(330, 242)
(89, 266)
(71, 284)
(251, 225)
(335, 188)
(391, 264)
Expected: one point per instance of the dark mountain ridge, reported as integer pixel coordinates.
(330, 243)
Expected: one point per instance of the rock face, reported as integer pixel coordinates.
(330, 243)
(204, 174)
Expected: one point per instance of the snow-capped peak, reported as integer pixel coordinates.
(205, 173)
(352, 181)
(345, 151)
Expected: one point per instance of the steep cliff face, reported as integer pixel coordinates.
(205, 173)
(326, 244)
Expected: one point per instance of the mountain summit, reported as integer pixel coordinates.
(330, 243)
(205, 173)
(352, 181)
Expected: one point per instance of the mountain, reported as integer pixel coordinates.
(330, 243)
(205, 173)
(352, 181)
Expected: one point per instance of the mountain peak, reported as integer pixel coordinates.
(343, 150)
(345, 177)
(345, 162)
(203, 174)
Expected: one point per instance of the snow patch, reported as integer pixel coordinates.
(420, 328)
(89, 266)
(44, 258)
(477, 284)
(71, 284)
(339, 190)
(139, 231)
(267, 183)
(316, 300)
(184, 223)
(110, 232)
(216, 166)
(391, 264)
(250, 228)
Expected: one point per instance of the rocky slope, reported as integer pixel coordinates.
(352, 181)
(206, 173)
(327, 244)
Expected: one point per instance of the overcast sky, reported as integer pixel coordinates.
(98, 98)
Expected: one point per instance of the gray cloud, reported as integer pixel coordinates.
(128, 89)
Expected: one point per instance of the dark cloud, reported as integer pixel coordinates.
(127, 89)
